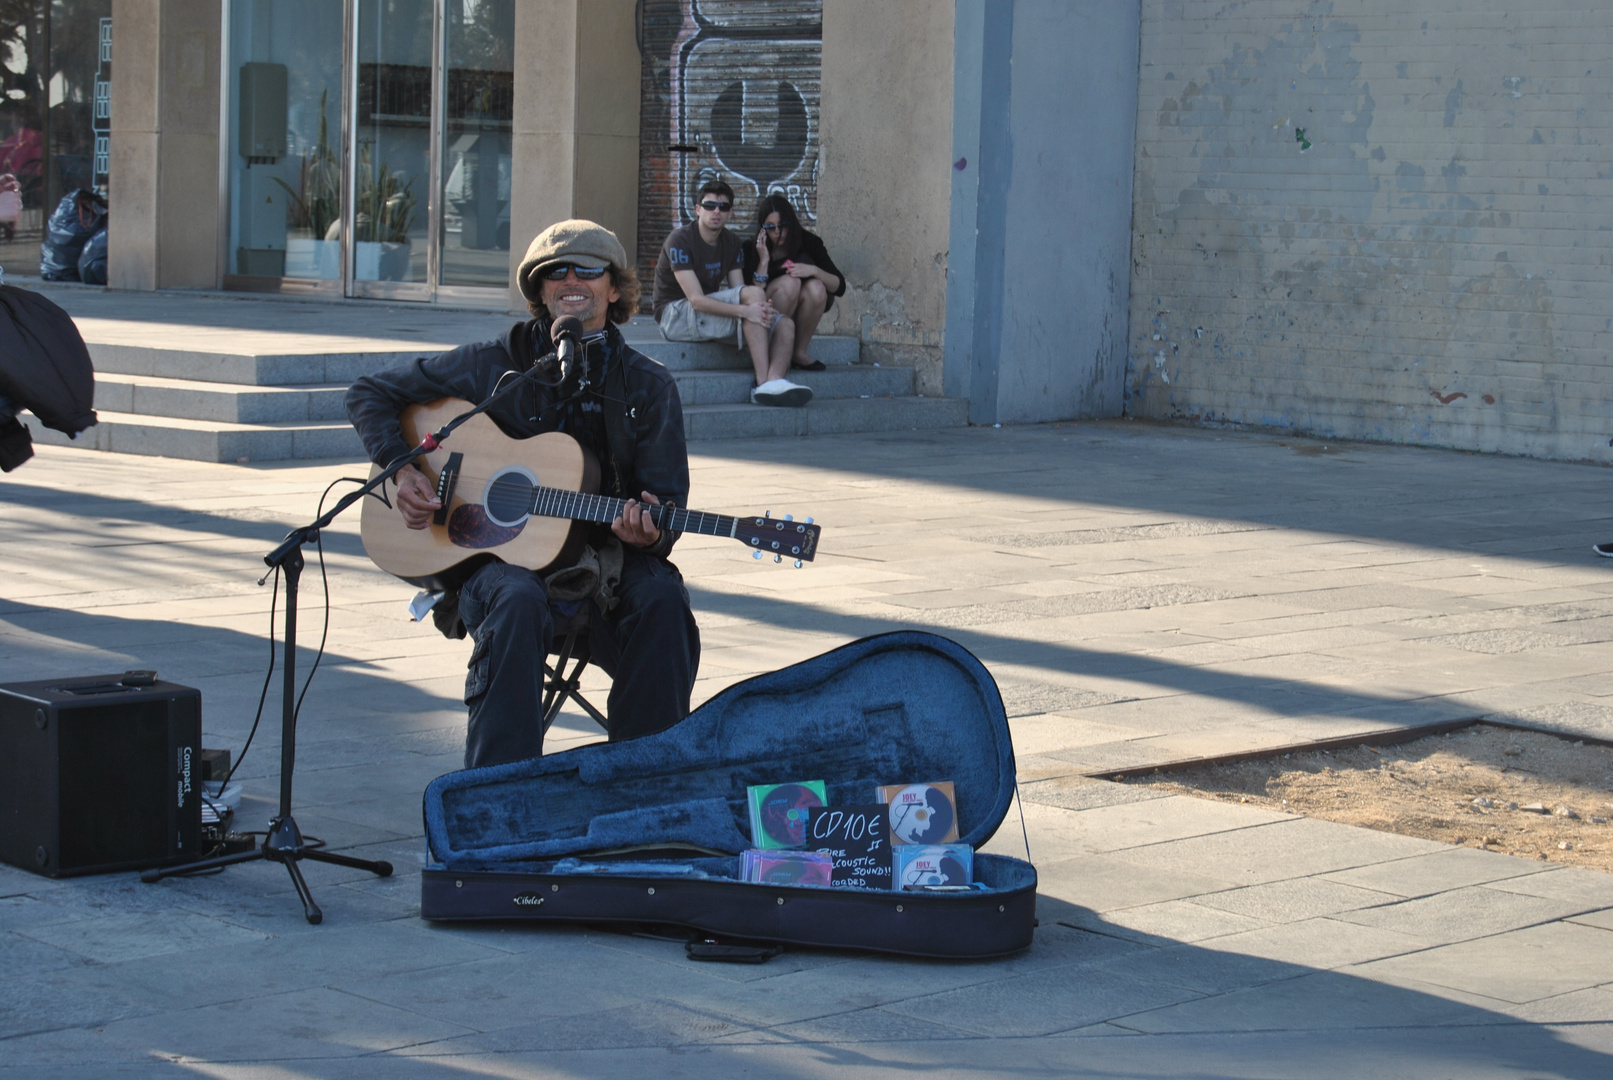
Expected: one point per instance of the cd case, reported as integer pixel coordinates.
(778, 812)
(787, 868)
(928, 865)
(921, 813)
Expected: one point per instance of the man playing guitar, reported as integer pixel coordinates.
(630, 418)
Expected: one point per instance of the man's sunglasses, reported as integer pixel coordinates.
(713, 204)
(584, 273)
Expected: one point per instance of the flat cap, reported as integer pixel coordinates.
(579, 242)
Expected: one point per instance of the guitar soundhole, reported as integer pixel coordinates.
(508, 497)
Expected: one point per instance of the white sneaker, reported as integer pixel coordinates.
(781, 392)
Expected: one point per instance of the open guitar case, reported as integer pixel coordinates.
(650, 830)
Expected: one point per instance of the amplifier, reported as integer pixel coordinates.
(99, 773)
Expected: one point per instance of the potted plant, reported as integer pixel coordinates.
(382, 217)
(314, 246)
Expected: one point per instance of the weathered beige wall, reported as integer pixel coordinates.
(163, 229)
(575, 145)
(884, 191)
(1437, 266)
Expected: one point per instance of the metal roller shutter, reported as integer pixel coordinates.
(730, 89)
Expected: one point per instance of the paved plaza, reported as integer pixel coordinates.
(1142, 594)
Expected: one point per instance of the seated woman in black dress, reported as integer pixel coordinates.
(794, 266)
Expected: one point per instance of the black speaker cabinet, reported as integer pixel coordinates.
(99, 773)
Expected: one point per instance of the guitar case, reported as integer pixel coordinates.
(650, 830)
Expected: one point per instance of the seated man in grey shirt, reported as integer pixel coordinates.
(701, 295)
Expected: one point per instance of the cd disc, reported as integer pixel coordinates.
(784, 813)
(921, 814)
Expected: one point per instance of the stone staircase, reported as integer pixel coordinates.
(205, 393)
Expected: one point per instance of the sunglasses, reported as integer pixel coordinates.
(713, 204)
(584, 273)
(772, 228)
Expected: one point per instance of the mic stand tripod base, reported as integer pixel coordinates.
(283, 845)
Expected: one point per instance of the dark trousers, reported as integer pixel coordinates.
(648, 644)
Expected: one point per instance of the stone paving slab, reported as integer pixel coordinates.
(1090, 566)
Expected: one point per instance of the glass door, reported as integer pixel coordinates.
(431, 149)
(392, 148)
(368, 148)
(479, 101)
(282, 145)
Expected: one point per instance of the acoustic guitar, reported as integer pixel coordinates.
(521, 501)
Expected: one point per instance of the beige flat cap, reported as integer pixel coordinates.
(581, 243)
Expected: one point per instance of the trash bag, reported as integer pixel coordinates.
(79, 216)
(44, 366)
(92, 260)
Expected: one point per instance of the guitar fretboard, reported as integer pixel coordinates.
(604, 509)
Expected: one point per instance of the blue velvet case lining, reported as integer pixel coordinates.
(906, 707)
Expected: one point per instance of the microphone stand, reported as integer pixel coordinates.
(284, 843)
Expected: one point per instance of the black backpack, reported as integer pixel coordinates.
(44, 368)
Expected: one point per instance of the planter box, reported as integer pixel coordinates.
(313, 259)
(384, 261)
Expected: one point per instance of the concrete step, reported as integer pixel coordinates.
(208, 440)
(214, 440)
(824, 417)
(723, 355)
(292, 369)
(232, 403)
(838, 381)
(243, 369)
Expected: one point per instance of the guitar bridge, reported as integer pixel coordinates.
(447, 480)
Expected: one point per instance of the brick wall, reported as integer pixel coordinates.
(1379, 220)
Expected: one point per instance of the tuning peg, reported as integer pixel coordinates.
(798, 564)
(778, 558)
(809, 521)
(756, 554)
(789, 517)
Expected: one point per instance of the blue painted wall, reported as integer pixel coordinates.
(1044, 117)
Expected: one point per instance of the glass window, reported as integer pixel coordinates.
(480, 70)
(55, 114)
(284, 139)
(392, 170)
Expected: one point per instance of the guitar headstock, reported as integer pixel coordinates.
(783, 538)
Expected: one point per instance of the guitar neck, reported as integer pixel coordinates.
(580, 506)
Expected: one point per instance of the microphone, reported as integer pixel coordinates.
(566, 331)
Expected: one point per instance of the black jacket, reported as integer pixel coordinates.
(44, 368)
(632, 419)
(812, 252)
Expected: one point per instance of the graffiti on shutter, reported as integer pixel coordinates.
(729, 91)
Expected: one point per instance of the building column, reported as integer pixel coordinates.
(164, 186)
(1038, 289)
(883, 189)
(575, 143)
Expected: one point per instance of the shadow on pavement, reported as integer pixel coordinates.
(1096, 1000)
(1441, 499)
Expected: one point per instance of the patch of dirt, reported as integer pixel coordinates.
(1523, 793)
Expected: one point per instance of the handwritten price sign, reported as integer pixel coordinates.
(855, 838)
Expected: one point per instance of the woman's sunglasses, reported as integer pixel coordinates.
(584, 273)
(772, 228)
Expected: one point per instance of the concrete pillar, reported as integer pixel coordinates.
(1038, 296)
(884, 184)
(164, 186)
(575, 144)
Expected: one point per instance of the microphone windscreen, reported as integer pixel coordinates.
(567, 326)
